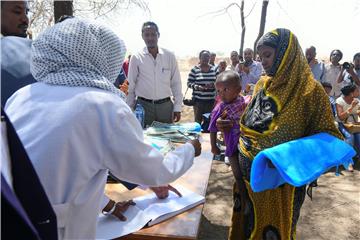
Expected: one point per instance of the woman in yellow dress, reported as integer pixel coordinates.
(287, 104)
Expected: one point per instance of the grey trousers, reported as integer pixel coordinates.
(162, 112)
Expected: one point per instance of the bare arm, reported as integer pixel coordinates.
(214, 148)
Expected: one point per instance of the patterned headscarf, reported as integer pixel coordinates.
(78, 52)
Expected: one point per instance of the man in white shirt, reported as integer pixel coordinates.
(153, 78)
(15, 48)
(332, 71)
(234, 59)
(250, 71)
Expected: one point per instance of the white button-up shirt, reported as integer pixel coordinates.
(330, 76)
(255, 70)
(154, 78)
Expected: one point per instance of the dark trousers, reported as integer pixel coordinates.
(201, 107)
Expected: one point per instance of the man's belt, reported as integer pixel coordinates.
(164, 100)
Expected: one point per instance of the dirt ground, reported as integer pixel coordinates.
(333, 214)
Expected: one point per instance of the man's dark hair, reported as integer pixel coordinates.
(356, 55)
(204, 51)
(312, 48)
(150, 24)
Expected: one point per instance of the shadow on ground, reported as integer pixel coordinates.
(218, 232)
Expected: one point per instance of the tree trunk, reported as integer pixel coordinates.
(62, 8)
(243, 28)
(262, 23)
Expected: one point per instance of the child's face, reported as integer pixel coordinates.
(228, 92)
(327, 90)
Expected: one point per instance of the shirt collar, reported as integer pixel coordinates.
(146, 50)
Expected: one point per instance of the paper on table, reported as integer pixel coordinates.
(148, 209)
(159, 210)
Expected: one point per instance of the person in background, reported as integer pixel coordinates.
(228, 88)
(350, 73)
(317, 68)
(234, 59)
(76, 126)
(15, 48)
(249, 89)
(201, 80)
(348, 111)
(250, 70)
(347, 135)
(154, 78)
(221, 66)
(332, 71)
(279, 111)
(14, 20)
(212, 59)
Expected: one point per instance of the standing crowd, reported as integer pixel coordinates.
(67, 116)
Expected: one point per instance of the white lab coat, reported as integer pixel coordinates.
(73, 136)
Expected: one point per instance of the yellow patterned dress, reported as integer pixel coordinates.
(287, 104)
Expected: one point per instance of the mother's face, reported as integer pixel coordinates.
(267, 56)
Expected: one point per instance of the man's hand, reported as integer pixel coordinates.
(162, 192)
(124, 87)
(120, 208)
(351, 70)
(177, 116)
(197, 146)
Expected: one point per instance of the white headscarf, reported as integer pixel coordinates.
(78, 52)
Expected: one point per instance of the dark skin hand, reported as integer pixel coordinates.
(120, 208)
(162, 192)
(197, 146)
(177, 116)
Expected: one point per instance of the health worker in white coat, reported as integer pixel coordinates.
(75, 125)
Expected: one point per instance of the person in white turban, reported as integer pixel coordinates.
(76, 127)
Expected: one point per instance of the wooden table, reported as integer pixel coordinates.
(182, 226)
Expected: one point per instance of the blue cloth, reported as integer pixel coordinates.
(299, 162)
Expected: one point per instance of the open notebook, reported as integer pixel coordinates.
(149, 210)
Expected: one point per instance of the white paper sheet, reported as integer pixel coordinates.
(148, 208)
